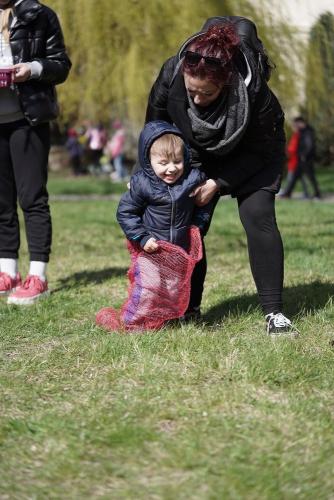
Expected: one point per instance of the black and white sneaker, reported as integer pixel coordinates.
(278, 324)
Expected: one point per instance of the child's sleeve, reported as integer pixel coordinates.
(202, 216)
(130, 213)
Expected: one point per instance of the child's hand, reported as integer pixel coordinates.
(151, 246)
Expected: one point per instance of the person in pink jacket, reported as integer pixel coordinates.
(116, 150)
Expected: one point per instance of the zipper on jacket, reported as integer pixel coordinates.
(172, 217)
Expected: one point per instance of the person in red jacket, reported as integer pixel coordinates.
(292, 163)
(306, 157)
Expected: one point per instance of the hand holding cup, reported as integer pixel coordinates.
(6, 77)
(22, 72)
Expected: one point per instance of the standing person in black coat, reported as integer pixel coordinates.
(32, 51)
(214, 92)
(306, 156)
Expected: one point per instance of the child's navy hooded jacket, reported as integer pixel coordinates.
(153, 208)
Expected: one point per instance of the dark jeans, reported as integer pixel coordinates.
(24, 152)
(290, 178)
(76, 165)
(265, 249)
(304, 169)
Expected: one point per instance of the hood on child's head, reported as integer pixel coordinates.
(152, 131)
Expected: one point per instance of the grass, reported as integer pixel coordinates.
(83, 185)
(88, 185)
(325, 175)
(207, 411)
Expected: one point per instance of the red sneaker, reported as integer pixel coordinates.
(9, 284)
(29, 292)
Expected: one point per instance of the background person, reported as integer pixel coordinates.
(75, 151)
(32, 40)
(306, 157)
(292, 163)
(96, 136)
(214, 92)
(115, 149)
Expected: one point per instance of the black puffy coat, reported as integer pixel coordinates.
(153, 208)
(37, 36)
(257, 160)
(306, 145)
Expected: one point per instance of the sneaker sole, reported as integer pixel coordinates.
(27, 301)
(7, 292)
(292, 334)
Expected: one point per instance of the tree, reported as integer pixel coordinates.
(117, 49)
(319, 92)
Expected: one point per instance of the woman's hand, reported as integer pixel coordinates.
(205, 192)
(22, 72)
(151, 246)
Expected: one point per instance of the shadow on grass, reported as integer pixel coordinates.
(309, 297)
(83, 278)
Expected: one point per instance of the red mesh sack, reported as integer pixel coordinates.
(159, 286)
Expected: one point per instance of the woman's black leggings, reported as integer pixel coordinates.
(265, 249)
(24, 154)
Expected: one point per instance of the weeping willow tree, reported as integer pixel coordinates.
(117, 49)
(319, 102)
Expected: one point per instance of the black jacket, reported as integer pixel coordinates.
(306, 145)
(257, 160)
(153, 208)
(37, 36)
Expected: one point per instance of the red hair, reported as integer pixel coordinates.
(220, 41)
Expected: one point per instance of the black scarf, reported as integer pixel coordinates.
(221, 126)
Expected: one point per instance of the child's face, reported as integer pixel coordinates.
(167, 169)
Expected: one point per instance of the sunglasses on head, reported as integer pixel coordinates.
(193, 58)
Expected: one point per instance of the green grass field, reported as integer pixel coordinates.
(60, 184)
(210, 411)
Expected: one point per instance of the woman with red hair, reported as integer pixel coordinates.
(215, 93)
